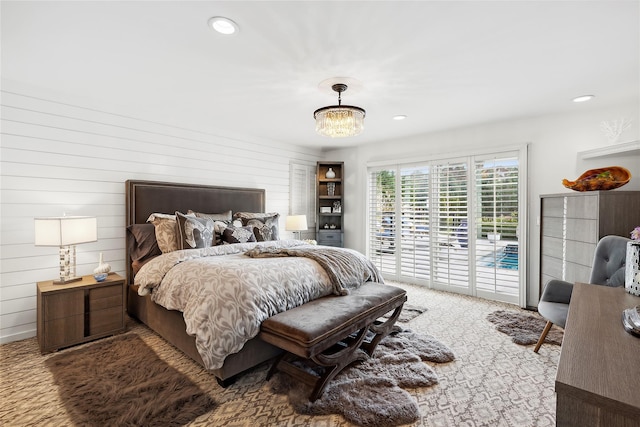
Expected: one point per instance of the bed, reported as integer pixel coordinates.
(144, 198)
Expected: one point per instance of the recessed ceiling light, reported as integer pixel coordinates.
(399, 117)
(223, 25)
(583, 98)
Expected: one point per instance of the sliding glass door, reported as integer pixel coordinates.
(450, 223)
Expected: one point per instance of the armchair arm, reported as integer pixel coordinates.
(557, 291)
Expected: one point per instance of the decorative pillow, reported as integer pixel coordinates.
(233, 234)
(165, 226)
(265, 225)
(224, 216)
(194, 232)
(218, 228)
(142, 242)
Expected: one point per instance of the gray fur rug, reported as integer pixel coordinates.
(372, 393)
(524, 329)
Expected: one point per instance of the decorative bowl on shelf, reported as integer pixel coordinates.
(100, 277)
(599, 179)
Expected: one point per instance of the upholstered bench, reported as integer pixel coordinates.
(330, 330)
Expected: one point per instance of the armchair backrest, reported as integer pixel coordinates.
(609, 261)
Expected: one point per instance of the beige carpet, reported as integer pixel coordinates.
(492, 382)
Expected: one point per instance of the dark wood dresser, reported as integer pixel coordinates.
(598, 379)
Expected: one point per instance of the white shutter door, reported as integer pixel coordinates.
(382, 223)
(415, 258)
(496, 219)
(450, 226)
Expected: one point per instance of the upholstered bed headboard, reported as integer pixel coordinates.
(146, 197)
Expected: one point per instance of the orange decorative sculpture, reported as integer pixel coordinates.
(600, 179)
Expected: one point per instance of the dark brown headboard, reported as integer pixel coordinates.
(147, 197)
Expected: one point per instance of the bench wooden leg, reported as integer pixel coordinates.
(336, 362)
(381, 330)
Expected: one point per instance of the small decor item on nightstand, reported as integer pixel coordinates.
(632, 269)
(330, 174)
(100, 277)
(102, 267)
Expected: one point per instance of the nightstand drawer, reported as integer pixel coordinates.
(110, 319)
(60, 332)
(63, 304)
(110, 296)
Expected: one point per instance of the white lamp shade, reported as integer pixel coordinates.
(66, 230)
(296, 223)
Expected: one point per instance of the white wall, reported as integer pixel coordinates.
(554, 142)
(60, 155)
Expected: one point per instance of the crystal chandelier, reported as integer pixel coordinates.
(338, 121)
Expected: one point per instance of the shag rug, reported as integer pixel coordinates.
(524, 329)
(121, 381)
(372, 392)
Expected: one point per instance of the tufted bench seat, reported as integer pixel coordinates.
(330, 330)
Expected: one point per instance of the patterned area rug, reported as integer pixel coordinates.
(524, 329)
(491, 382)
(372, 393)
(123, 382)
(408, 313)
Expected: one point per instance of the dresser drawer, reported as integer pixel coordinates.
(330, 238)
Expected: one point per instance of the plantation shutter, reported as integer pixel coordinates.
(302, 192)
(450, 226)
(382, 220)
(415, 257)
(496, 219)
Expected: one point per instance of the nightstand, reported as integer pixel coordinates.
(80, 311)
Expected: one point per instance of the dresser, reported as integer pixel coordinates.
(80, 311)
(571, 225)
(598, 378)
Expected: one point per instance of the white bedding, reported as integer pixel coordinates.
(225, 295)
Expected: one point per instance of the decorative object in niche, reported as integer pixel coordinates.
(599, 179)
(331, 189)
(337, 208)
(612, 129)
(330, 174)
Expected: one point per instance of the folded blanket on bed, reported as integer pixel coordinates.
(346, 268)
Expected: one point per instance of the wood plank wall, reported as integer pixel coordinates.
(59, 157)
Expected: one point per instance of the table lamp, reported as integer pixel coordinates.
(66, 232)
(296, 223)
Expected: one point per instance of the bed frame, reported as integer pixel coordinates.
(146, 197)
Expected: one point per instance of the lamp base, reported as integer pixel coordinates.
(67, 280)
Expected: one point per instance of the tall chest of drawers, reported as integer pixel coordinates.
(571, 225)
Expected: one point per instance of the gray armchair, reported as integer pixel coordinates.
(607, 270)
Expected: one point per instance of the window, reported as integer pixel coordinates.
(451, 223)
(302, 193)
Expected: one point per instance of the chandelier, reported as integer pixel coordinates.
(338, 121)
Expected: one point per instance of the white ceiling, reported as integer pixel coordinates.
(444, 64)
